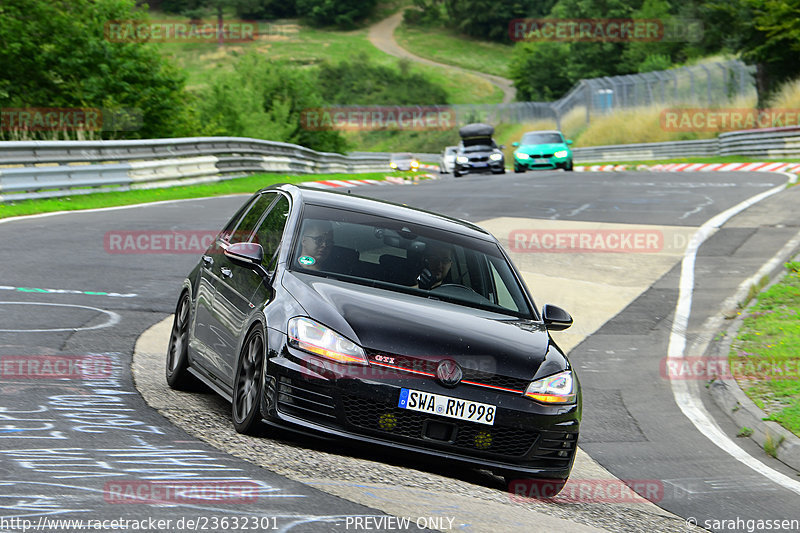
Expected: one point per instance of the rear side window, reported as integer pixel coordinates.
(245, 227)
(270, 231)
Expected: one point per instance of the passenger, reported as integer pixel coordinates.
(437, 260)
(316, 244)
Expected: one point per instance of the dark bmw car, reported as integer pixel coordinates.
(363, 319)
(477, 152)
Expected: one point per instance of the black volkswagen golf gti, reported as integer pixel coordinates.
(363, 319)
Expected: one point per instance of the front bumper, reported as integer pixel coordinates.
(542, 163)
(480, 167)
(361, 403)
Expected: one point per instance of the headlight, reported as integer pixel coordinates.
(462, 159)
(561, 153)
(520, 155)
(310, 336)
(556, 389)
(415, 164)
(496, 157)
(393, 165)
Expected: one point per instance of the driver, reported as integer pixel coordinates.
(437, 260)
(316, 244)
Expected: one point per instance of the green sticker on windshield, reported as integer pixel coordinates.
(306, 260)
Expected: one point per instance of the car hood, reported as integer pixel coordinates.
(403, 324)
(541, 148)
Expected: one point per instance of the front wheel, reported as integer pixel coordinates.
(177, 369)
(247, 385)
(568, 167)
(457, 174)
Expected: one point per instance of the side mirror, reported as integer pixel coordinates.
(515, 145)
(502, 146)
(247, 254)
(569, 141)
(555, 318)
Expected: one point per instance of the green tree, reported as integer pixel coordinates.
(265, 100)
(765, 32)
(360, 82)
(58, 54)
(342, 13)
(490, 19)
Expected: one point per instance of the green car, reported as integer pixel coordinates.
(542, 150)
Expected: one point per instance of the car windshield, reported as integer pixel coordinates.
(542, 138)
(479, 148)
(400, 256)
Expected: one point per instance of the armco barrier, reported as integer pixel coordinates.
(766, 143)
(74, 165)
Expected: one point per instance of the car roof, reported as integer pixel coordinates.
(340, 200)
(542, 131)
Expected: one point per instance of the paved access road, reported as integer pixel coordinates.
(77, 443)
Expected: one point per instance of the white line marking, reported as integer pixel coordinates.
(691, 405)
(113, 318)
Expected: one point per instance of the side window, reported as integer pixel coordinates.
(504, 297)
(249, 221)
(226, 233)
(270, 232)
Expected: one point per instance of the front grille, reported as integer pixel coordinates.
(304, 399)
(476, 376)
(479, 158)
(389, 421)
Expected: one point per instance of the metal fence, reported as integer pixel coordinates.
(706, 85)
(42, 169)
(768, 143)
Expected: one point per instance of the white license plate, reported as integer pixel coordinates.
(480, 164)
(541, 161)
(436, 404)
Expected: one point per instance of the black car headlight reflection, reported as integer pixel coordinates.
(556, 389)
(310, 336)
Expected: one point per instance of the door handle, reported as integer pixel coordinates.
(208, 260)
(226, 272)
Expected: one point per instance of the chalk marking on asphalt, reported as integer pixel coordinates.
(68, 291)
(691, 405)
(113, 318)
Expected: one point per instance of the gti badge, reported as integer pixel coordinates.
(448, 373)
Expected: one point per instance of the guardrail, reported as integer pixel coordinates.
(44, 169)
(767, 143)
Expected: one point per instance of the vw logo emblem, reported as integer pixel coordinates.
(448, 373)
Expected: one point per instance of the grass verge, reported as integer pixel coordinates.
(245, 185)
(765, 356)
(445, 46)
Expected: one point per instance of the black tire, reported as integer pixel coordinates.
(456, 174)
(538, 489)
(518, 170)
(247, 385)
(177, 367)
(568, 167)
